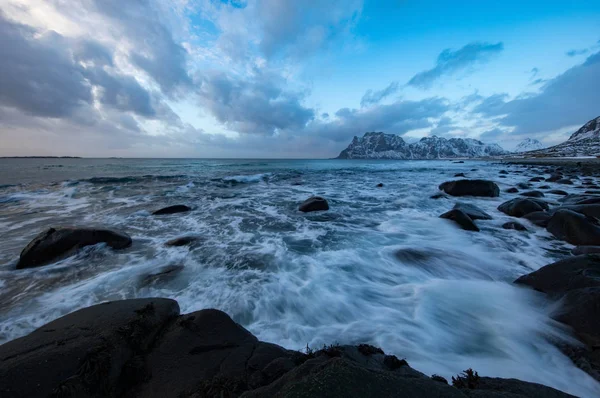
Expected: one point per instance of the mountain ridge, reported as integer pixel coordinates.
(584, 142)
(379, 145)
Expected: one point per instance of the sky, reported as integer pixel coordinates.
(288, 78)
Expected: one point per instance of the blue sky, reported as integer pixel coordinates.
(282, 78)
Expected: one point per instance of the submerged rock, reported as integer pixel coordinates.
(512, 190)
(471, 188)
(172, 210)
(514, 225)
(163, 275)
(533, 194)
(578, 199)
(182, 241)
(462, 219)
(144, 348)
(57, 243)
(315, 203)
(539, 218)
(474, 212)
(519, 207)
(558, 192)
(574, 228)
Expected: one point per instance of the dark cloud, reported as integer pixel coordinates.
(156, 51)
(92, 51)
(570, 99)
(256, 105)
(574, 53)
(37, 73)
(397, 118)
(450, 62)
(374, 97)
(493, 136)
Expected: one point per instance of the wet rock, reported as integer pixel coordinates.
(574, 228)
(315, 203)
(438, 196)
(460, 161)
(380, 185)
(582, 312)
(512, 190)
(470, 188)
(565, 181)
(545, 187)
(558, 192)
(474, 212)
(172, 210)
(161, 276)
(524, 185)
(460, 175)
(57, 243)
(571, 273)
(514, 225)
(578, 199)
(83, 354)
(592, 210)
(519, 207)
(539, 218)
(536, 179)
(503, 172)
(585, 250)
(533, 194)
(182, 241)
(554, 177)
(462, 219)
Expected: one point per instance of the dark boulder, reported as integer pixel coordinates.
(587, 210)
(161, 276)
(536, 179)
(578, 199)
(380, 185)
(524, 185)
(315, 203)
(581, 311)
(474, 212)
(519, 207)
(83, 354)
(565, 181)
(438, 196)
(514, 225)
(460, 175)
(554, 177)
(539, 218)
(462, 219)
(503, 172)
(512, 190)
(585, 250)
(574, 228)
(558, 192)
(533, 194)
(544, 187)
(571, 273)
(182, 241)
(172, 210)
(57, 243)
(470, 188)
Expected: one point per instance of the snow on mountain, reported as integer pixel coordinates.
(529, 144)
(583, 142)
(389, 146)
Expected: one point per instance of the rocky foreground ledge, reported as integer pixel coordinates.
(145, 348)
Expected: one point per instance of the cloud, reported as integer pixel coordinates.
(574, 53)
(374, 97)
(450, 62)
(569, 99)
(399, 117)
(256, 105)
(37, 74)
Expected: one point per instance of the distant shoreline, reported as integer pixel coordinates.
(41, 157)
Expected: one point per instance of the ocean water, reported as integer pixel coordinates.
(380, 267)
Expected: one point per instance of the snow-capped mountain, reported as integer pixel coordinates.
(529, 144)
(390, 146)
(583, 142)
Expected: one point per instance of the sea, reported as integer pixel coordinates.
(379, 267)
